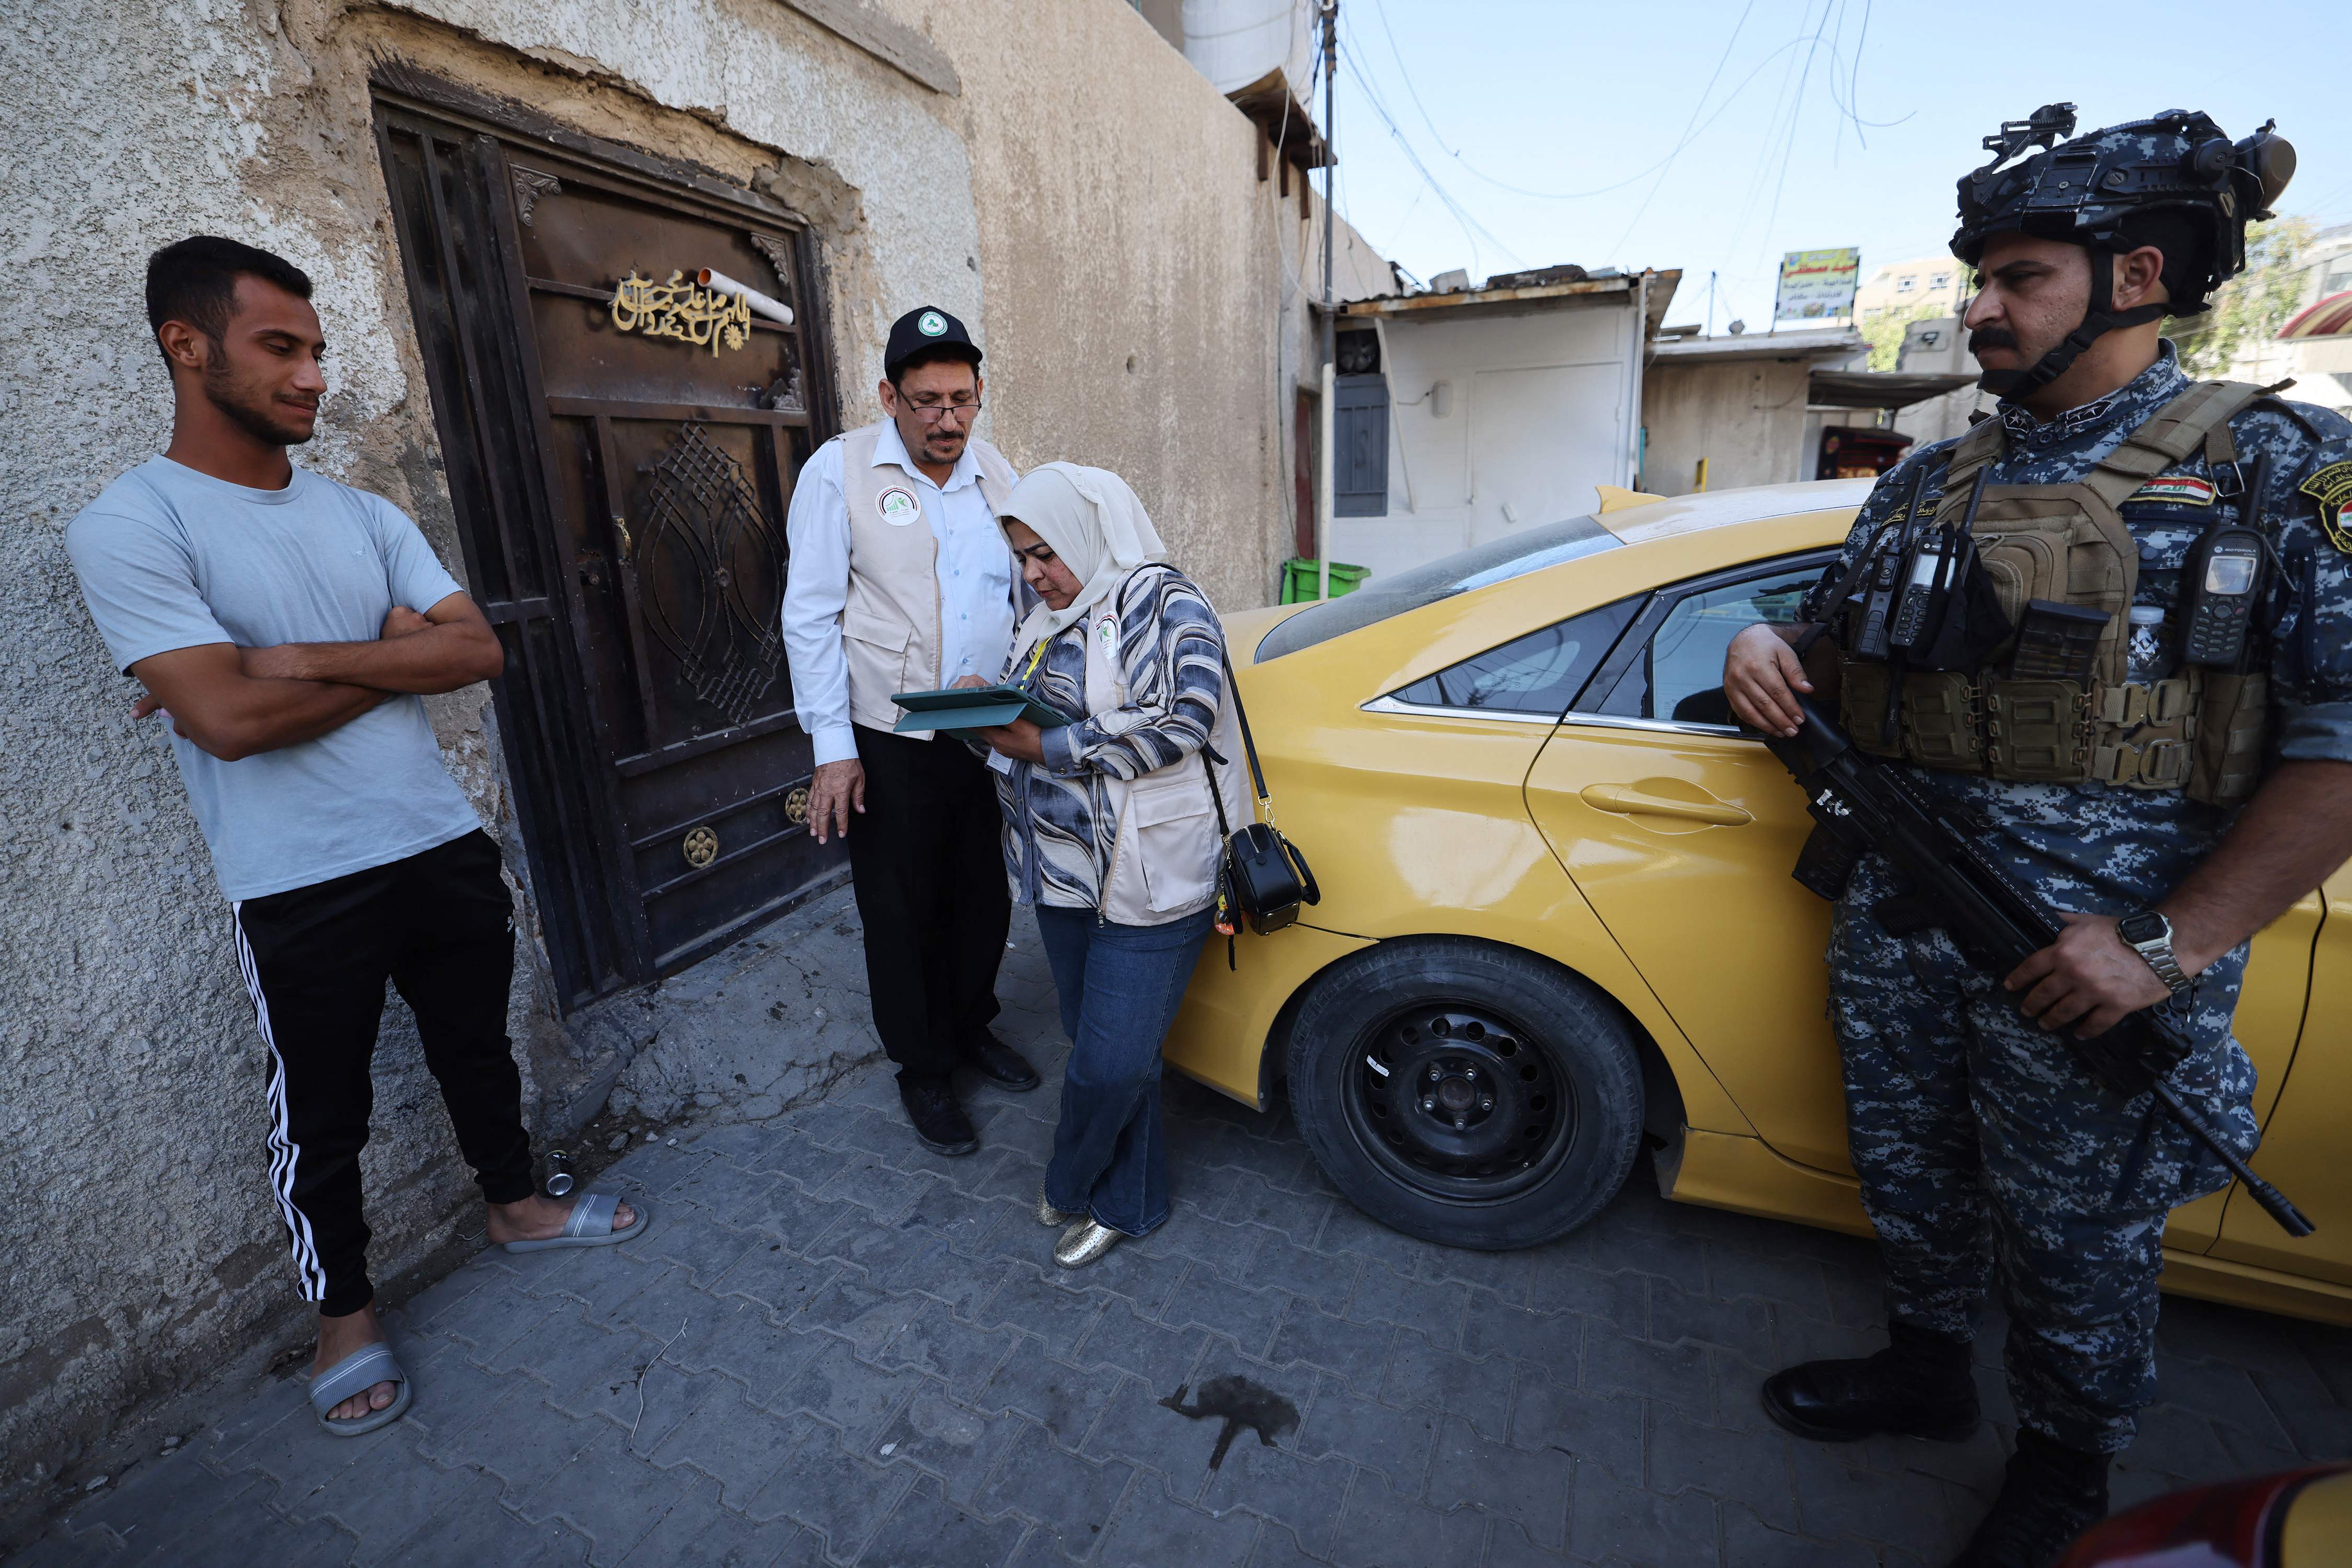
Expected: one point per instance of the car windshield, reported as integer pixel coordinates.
(1481, 566)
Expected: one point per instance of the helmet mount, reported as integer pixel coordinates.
(2088, 190)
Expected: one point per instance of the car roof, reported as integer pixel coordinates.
(1672, 515)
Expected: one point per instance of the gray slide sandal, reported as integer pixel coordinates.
(591, 1225)
(354, 1375)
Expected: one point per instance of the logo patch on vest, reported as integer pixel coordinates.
(2179, 489)
(897, 506)
(2332, 489)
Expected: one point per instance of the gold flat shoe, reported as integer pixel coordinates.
(1050, 1216)
(1084, 1243)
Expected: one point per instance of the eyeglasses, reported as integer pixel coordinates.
(933, 412)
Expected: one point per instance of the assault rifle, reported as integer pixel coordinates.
(1861, 806)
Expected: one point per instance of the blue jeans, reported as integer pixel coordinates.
(1119, 988)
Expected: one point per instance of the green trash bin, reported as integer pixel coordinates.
(1301, 578)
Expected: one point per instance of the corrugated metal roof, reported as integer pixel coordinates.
(1461, 302)
(1812, 343)
(1880, 388)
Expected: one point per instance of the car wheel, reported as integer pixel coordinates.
(1466, 1094)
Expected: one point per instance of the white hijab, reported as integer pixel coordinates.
(1093, 522)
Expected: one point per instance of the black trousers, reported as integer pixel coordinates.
(438, 925)
(928, 864)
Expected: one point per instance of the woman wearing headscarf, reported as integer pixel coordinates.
(1110, 831)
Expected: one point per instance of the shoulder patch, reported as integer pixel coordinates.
(2331, 486)
(2179, 489)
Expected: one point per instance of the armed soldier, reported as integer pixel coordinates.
(2110, 628)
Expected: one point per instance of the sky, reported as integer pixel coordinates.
(1714, 135)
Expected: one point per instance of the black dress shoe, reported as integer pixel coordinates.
(1920, 1385)
(2051, 1495)
(938, 1121)
(998, 1063)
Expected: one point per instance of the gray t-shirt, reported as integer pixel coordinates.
(170, 558)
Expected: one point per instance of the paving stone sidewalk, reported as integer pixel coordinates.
(831, 1346)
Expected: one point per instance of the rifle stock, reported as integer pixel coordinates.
(1862, 806)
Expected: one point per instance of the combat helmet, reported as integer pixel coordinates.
(2175, 180)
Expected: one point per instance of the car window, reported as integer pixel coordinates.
(1678, 674)
(1538, 673)
(1497, 561)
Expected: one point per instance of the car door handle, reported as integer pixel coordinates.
(1628, 801)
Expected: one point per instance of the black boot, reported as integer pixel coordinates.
(2051, 1495)
(1919, 1386)
(938, 1121)
(998, 1063)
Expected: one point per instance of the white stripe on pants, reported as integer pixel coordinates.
(283, 1154)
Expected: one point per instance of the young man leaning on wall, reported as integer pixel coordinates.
(286, 624)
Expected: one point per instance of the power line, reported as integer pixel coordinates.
(1471, 226)
(1477, 174)
(1684, 141)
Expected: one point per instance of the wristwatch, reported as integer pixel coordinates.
(2150, 934)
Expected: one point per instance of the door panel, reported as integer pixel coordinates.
(1682, 835)
(1706, 911)
(629, 519)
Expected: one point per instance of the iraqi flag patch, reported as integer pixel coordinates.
(2331, 486)
(2176, 489)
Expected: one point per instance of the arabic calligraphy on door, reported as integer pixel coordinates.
(682, 310)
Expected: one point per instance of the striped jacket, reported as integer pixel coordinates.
(1059, 826)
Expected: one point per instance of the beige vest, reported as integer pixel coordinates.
(1165, 858)
(890, 622)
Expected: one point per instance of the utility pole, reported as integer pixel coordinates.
(1323, 501)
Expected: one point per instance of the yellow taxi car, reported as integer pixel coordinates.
(1558, 917)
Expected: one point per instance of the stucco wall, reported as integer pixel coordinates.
(142, 1248)
(1122, 237)
(1746, 418)
(1146, 312)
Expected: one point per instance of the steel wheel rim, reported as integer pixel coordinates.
(1457, 1101)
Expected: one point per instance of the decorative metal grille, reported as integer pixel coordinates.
(707, 545)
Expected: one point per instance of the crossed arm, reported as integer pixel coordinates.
(235, 702)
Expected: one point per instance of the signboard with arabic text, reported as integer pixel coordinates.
(1816, 285)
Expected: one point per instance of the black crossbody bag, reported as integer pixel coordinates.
(1261, 877)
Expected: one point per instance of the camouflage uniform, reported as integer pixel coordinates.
(1977, 1138)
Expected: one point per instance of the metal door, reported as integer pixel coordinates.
(620, 443)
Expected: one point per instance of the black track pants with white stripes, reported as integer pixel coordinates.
(439, 926)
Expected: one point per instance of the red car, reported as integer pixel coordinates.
(2296, 1519)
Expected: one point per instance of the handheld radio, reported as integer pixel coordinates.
(2222, 580)
(1871, 639)
(1933, 577)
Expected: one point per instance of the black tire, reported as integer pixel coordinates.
(1525, 1109)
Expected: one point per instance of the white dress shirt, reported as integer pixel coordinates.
(975, 573)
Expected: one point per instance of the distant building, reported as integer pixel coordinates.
(1770, 408)
(1905, 285)
(2314, 345)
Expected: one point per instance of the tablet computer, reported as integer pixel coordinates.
(963, 709)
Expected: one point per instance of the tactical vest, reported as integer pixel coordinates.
(2199, 729)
